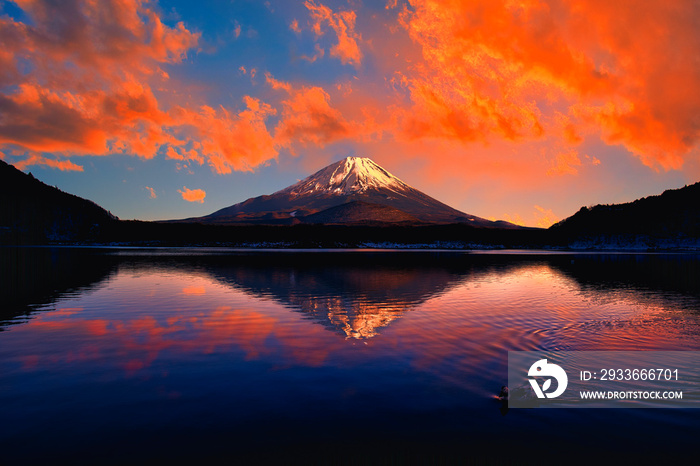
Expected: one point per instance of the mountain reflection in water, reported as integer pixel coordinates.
(355, 299)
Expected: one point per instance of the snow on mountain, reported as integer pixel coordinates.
(348, 176)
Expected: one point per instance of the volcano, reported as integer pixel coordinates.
(354, 190)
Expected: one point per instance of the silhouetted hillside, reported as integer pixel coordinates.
(31, 211)
(671, 219)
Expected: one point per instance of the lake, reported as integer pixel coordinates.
(132, 355)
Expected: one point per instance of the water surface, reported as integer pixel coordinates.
(117, 355)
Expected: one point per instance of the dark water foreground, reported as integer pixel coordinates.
(138, 356)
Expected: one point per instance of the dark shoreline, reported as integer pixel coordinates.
(363, 236)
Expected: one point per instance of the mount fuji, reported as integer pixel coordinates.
(354, 190)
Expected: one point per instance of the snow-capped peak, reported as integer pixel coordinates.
(348, 176)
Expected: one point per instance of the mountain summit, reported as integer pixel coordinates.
(354, 190)
(349, 176)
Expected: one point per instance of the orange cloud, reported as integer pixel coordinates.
(277, 85)
(228, 140)
(515, 219)
(319, 54)
(497, 69)
(87, 92)
(192, 195)
(545, 217)
(343, 24)
(131, 37)
(126, 118)
(151, 192)
(309, 118)
(36, 159)
(42, 120)
(566, 163)
(90, 89)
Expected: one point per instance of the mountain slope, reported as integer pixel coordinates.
(33, 211)
(353, 179)
(673, 215)
(360, 212)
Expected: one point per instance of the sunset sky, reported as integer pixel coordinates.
(518, 110)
